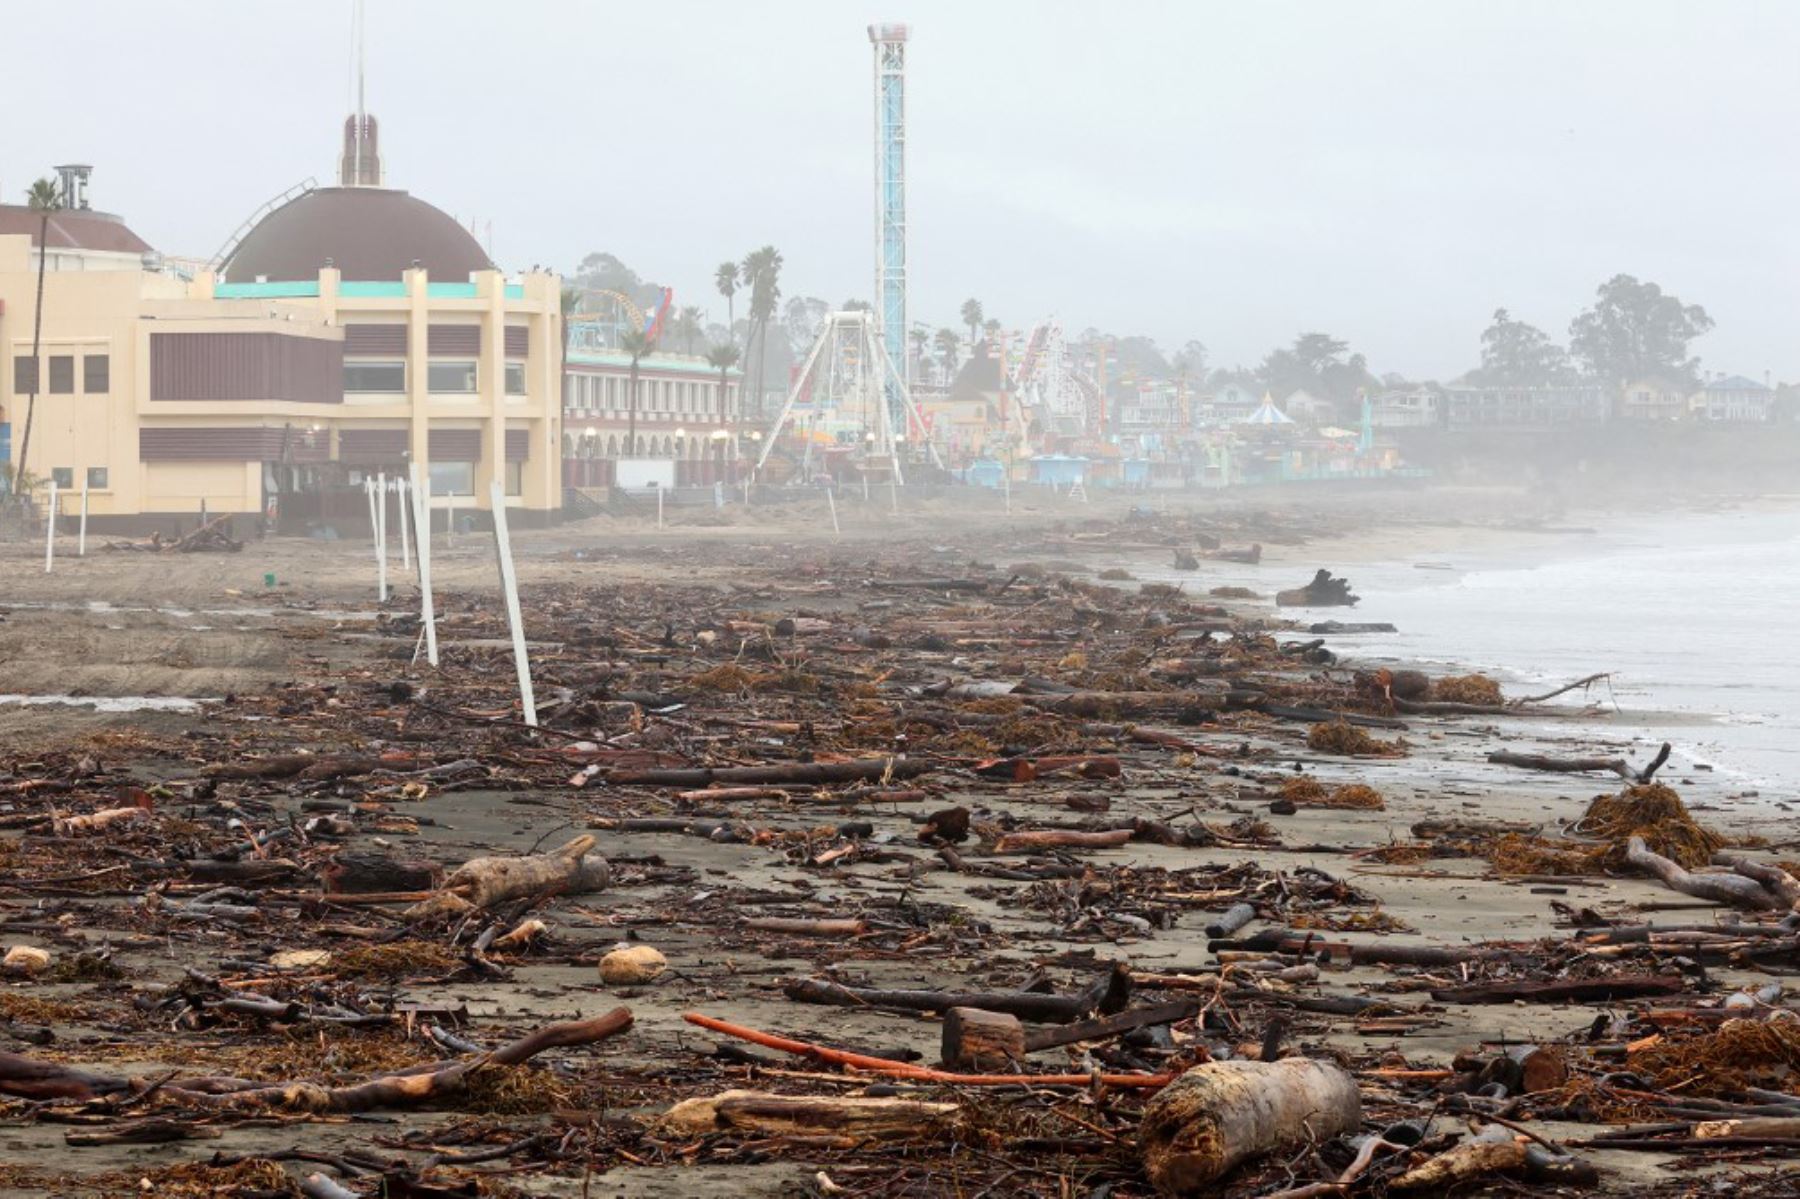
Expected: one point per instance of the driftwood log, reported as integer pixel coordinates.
(1618, 766)
(978, 1040)
(1735, 890)
(852, 1118)
(1202, 1125)
(484, 882)
(29, 1078)
(1106, 994)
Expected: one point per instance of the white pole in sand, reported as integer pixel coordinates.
(832, 500)
(381, 493)
(421, 498)
(509, 584)
(659, 505)
(81, 537)
(400, 491)
(450, 519)
(893, 497)
(50, 531)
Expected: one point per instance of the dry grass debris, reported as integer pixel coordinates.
(1475, 689)
(1342, 737)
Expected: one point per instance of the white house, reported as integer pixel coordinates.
(1735, 398)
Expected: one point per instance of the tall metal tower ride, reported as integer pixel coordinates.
(889, 42)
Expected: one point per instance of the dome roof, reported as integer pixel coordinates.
(367, 233)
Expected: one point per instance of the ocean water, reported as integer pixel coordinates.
(1696, 616)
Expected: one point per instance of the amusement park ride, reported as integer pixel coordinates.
(601, 316)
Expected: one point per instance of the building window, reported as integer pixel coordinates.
(62, 375)
(63, 477)
(452, 478)
(515, 478)
(96, 480)
(515, 378)
(450, 377)
(388, 377)
(96, 374)
(24, 374)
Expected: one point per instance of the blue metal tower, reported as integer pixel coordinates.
(889, 42)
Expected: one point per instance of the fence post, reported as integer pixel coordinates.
(509, 584)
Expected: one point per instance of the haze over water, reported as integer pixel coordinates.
(1694, 615)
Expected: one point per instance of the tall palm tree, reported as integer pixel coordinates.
(971, 316)
(688, 324)
(762, 275)
(947, 343)
(991, 327)
(920, 337)
(726, 280)
(724, 356)
(570, 299)
(43, 199)
(640, 345)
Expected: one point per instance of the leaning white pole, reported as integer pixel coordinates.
(659, 506)
(50, 531)
(832, 500)
(81, 537)
(381, 534)
(421, 498)
(400, 491)
(509, 584)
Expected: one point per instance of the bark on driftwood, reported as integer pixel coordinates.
(764, 1114)
(1732, 889)
(484, 882)
(1198, 1128)
(1618, 766)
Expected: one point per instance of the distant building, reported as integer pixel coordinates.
(1524, 408)
(350, 331)
(1308, 408)
(1407, 408)
(680, 411)
(1229, 402)
(1654, 399)
(1735, 398)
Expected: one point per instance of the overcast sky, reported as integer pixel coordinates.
(1386, 171)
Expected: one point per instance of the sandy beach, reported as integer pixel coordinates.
(124, 624)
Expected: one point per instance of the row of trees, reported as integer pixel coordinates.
(1634, 330)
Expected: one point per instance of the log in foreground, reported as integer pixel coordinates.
(1735, 890)
(1108, 993)
(31, 1079)
(484, 882)
(1618, 766)
(882, 1065)
(1202, 1125)
(790, 772)
(855, 1118)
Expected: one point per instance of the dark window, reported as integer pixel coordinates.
(62, 375)
(96, 374)
(515, 378)
(451, 377)
(63, 477)
(515, 478)
(375, 376)
(24, 374)
(97, 477)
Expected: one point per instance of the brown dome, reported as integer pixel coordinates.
(367, 233)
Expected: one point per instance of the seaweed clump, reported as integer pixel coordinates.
(1342, 737)
(1655, 813)
(1476, 689)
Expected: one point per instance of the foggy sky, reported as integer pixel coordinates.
(1388, 172)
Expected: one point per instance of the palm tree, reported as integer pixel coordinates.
(971, 316)
(723, 356)
(920, 337)
(991, 327)
(947, 343)
(726, 280)
(570, 301)
(43, 199)
(762, 274)
(640, 345)
(688, 324)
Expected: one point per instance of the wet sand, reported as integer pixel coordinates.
(124, 624)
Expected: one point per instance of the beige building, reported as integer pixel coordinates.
(350, 331)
